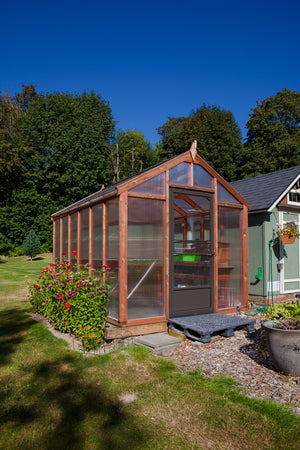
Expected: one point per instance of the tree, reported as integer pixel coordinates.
(31, 245)
(12, 110)
(273, 137)
(216, 132)
(130, 153)
(69, 137)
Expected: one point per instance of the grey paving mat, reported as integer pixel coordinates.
(203, 326)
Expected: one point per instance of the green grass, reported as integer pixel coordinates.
(54, 398)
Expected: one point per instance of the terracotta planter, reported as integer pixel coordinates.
(284, 348)
(287, 239)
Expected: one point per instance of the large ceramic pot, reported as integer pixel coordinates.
(284, 348)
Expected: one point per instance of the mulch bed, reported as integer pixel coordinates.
(245, 358)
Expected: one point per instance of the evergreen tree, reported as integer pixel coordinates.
(31, 245)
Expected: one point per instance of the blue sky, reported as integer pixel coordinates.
(155, 59)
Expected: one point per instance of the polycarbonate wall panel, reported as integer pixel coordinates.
(65, 238)
(84, 236)
(74, 231)
(202, 178)
(225, 197)
(112, 236)
(98, 239)
(57, 240)
(145, 258)
(180, 174)
(230, 258)
(155, 185)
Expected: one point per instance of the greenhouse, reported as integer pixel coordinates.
(175, 238)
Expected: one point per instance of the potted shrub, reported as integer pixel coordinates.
(288, 233)
(282, 331)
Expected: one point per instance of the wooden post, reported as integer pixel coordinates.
(123, 260)
(69, 237)
(245, 252)
(61, 240)
(104, 235)
(79, 239)
(216, 246)
(166, 250)
(91, 237)
(53, 240)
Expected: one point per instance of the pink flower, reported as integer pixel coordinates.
(92, 293)
(79, 285)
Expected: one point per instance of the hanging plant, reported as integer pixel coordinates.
(289, 232)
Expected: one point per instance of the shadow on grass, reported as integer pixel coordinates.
(51, 402)
(13, 324)
(70, 411)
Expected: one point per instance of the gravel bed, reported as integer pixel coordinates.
(243, 357)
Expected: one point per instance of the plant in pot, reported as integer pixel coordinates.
(288, 233)
(282, 331)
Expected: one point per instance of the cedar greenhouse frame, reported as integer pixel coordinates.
(175, 237)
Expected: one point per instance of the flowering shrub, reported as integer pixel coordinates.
(74, 300)
(285, 315)
(290, 229)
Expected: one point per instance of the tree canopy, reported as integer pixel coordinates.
(217, 134)
(54, 150)
(131, 153)
(69, 135)
(273, 138)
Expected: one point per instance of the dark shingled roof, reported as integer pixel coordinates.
(263, 191)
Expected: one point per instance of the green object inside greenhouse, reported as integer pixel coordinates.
(191, 258)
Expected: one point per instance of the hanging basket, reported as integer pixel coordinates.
(287, 239)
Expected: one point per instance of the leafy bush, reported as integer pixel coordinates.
(75, 300)
(285, 315)
(17, 251)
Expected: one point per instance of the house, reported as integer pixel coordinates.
(175, 237)
(274, 268)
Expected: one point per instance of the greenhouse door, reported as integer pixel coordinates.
(191, 252)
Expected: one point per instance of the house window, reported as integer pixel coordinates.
(294, 197)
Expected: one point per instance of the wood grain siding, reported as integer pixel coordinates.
(123, 227)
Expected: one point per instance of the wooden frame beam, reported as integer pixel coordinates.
(123, 229)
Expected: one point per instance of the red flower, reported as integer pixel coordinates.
(60, 297)
(67, 305)
(65, 321)
(36, 286)
(74, 253)
(52, 264)
(63, 253)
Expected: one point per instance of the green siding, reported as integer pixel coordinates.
(270, 227)
(256, 256)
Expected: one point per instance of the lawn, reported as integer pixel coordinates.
(54, 398)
